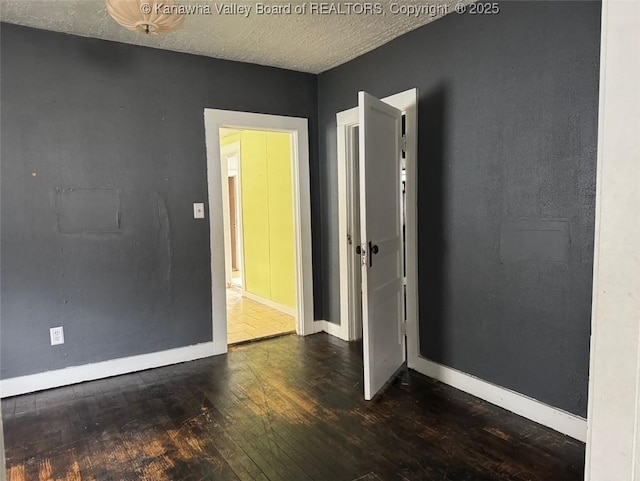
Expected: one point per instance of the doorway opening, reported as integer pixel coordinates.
(352, 216)
(260, 245)
(257, 186)
(230, 152)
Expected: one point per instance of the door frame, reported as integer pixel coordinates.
(350, 137)
(613, 413)
(407, 103)
(299, 130)
(227, 151)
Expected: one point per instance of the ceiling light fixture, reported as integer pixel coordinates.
(146, 16)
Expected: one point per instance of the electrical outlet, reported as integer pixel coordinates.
(57, 335)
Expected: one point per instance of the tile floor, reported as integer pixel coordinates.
(249, 320)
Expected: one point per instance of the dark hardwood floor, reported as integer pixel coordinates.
(289, 408)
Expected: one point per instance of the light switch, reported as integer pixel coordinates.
(198, 210)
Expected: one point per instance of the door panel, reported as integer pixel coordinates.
(381, 234)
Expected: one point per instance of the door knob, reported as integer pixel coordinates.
(373, 249)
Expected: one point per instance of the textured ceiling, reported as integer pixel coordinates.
(305, 42)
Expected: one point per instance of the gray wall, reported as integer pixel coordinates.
(102, 239)
(507, 120)
(507, 141)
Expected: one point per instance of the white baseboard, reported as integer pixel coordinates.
(330, 328)
(269, 303)
(99, 370)
(554, 418)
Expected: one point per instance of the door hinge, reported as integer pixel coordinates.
(404, 143)
(404, 328)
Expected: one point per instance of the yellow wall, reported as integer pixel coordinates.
(281, 229)
(266, 180)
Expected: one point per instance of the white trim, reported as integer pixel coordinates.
(330, 328)
(100, 370)
(269, 303)
(354, 261)
(613, 442)
(561, 421)
(298, 127)
(345, 121)
(240, 232)
(406, 102)
(228, 151)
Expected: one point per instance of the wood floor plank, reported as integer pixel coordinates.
(283, 409)
(291, 440)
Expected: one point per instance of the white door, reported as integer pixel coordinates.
(381, 237)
